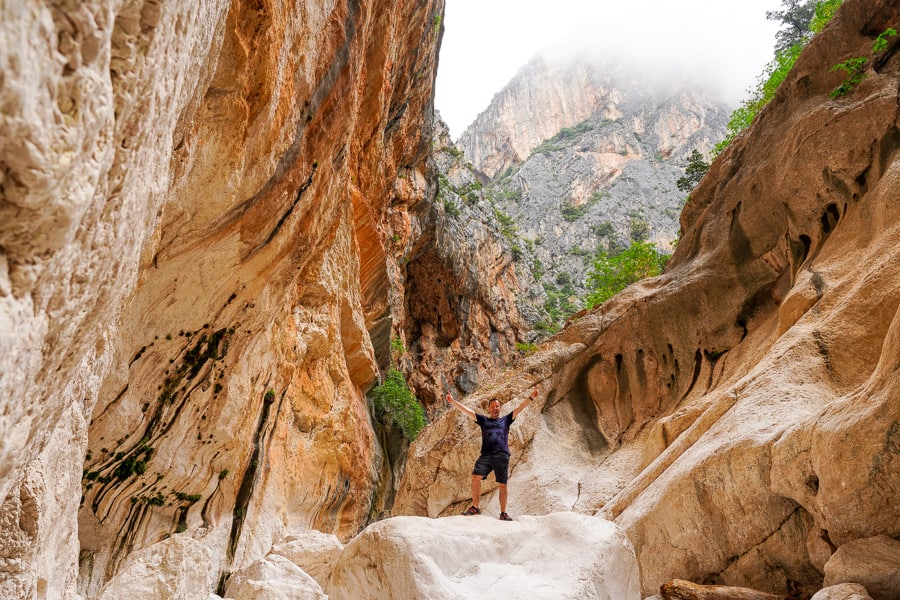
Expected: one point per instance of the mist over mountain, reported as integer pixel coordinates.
(584, 154)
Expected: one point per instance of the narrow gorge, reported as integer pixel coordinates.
(223, 223)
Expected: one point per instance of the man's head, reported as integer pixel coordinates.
(494, 408)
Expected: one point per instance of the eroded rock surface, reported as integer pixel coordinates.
(740, 411)
(195, 271)
(872, 562)
(561, 555)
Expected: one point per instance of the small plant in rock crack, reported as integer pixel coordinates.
(856, 67)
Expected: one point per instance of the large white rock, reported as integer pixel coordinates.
(273, 578)
(843, 591)
(178, 567)
(313, 551)
(561, 555)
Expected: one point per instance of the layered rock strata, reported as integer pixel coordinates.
(195, 276)
(738, 415)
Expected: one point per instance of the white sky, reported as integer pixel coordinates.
(487, 41)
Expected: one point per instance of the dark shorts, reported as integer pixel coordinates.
(498, 463)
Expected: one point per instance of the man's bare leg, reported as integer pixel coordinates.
(476, 490)
(504, 493)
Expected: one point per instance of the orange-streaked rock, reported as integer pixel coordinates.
(738, 414)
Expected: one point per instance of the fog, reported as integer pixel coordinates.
(722, 44)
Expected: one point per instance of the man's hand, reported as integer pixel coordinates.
(470, 413)
(528, 400)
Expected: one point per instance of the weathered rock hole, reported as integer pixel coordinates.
(830, 218)
(812, 482)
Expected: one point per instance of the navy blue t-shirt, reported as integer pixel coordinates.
(494, 433)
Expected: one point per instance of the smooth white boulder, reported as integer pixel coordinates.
(563, 555)
(178, 567)
(273, 578)
(313, 551)
(842, 591)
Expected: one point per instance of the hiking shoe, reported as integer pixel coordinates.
(505, 517)
(473, 510)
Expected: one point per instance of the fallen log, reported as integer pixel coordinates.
(679, 589)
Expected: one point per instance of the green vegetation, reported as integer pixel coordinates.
(638, 229)
(188, 497)
(801, 30)
(395, 404)
(696, 169)
(397, 346)
(454, 151)
(573, 213)
(795, 20)
(561, 139)
(451, 209)
(561, 303)
(537, 269)
(570, 212)
(612, 273)
(437, 27)
(856, 67)
(526, 348)
(511, 195)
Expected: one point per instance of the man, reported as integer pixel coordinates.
(494, 449)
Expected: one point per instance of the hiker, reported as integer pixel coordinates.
(494, 449)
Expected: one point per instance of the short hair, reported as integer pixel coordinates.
(493, 400)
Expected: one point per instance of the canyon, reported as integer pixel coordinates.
(222, 223)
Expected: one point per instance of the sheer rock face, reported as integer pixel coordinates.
(740, 412)
(550, 94)
(464, 294)
(586, 154)
(536, 104)
(194, 284)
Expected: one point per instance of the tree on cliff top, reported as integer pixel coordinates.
(777, 70)
(795, 19)
(696, 169)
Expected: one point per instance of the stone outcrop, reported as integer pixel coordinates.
(467, 300)
(562, 555)
(871, 562)
(738, 414)
(214, 218)
(198, 203)
(545, 96)
(604, 172)
(175, 568)
(273, 578)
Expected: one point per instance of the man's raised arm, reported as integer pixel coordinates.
(460, 407)
(521, 407)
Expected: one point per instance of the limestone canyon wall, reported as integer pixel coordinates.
(544, 97)
(195, 271)
(739, 414)
(467, 300)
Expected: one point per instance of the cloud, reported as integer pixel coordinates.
(723, 44)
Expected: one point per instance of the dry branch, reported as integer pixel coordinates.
(679, 589)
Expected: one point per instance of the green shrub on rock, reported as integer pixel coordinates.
(396, 405)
